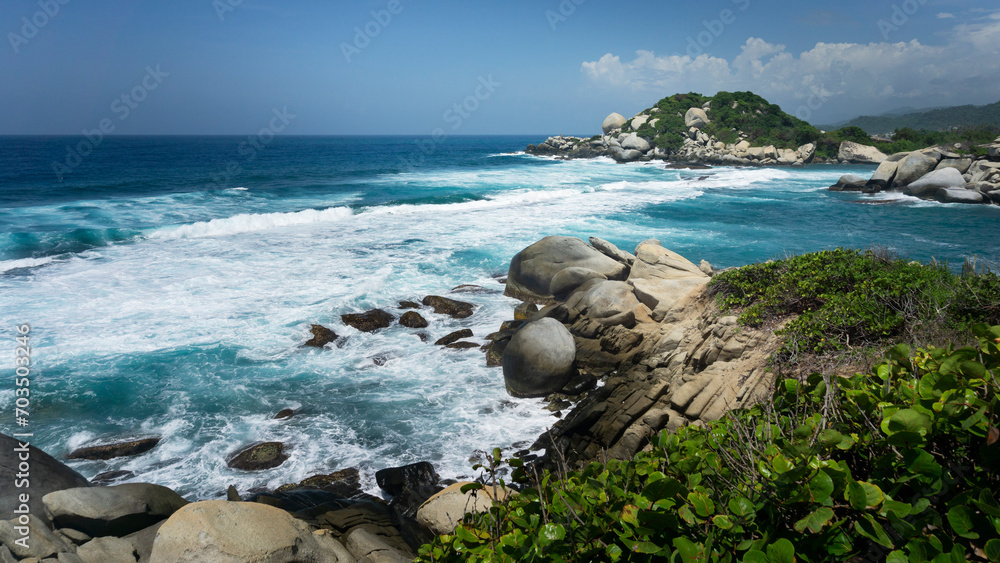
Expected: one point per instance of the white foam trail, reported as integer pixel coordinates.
(246, 223)
(8, 265)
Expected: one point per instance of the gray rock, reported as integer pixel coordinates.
(661, 278)
(929, 184)
(627, 155)
(41, 543)
(567, 280)
(413, 319)
(960, 164)
(112, 511)
(882, 178)
(539, 359)
(607, 302)
(958, 195)
(222, 531)
(119, 449)
(107, 550)
(857, 153)
(369, 321)
(443, 511)
(612, 122)
(634, 141)
(47, 475)
(638, 121)
(6, 556)
(611, 251)
(451, 307)
(915, 166)
(849, 182)
(321, 336)
(806, 152)
(258, 457)
(368, 545)
(143, 540)
(531, 270)
(696, 117)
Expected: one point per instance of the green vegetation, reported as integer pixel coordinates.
(942, 119)
(898, 464)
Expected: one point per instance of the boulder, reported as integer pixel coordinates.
(567, 280)
(960, 164)
(929, 184)
(454, 337)
(612, 122)
(634, 141)
(806, 152)
(321, 336)
(882, 178)
(218, 530)
(346, 483)
(538, 360)
(444, 510)
(47, 475)
(409, 305)
(915, 166)
(755, 153)
(409, 485)
(849, 182)
(370, 545)
(638, 121)
(413, 319)
(112, 511)
(106, 550)
(857, 153)
(451, 307)
(369, 321)
(958, 195)
(626, 155)
(696, 117)
(607, 302)
(284, 414)
(742, 146)
(524, 311)
(982, 169)
(258, 457)
(42, 542)
(532, 269)
(118, 449)
(611, 251)
(660, 278)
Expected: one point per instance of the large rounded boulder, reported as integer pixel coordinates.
(539, 359)
(47, 475)
(929, 185)
(612, 122)
(912, 168)
(532, 270)
(696, 117)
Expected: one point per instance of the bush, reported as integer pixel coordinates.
(896, 465)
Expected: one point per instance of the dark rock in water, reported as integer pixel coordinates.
(494, 354)
(687, 166)
(346, 483)
(120, 449)
(109, 477)
(424, 337)
(394, 480)
(380, 359)
(369, 321)
(258, 457)
(462, 345)
(409, 305)
(469, 288)
(232, 495)
(580, 384)
(412, 319)
(501, 279)
(321, 336)
(511, 325)
(47, 475)
(284, 414)
(450, 307)
(454, 337)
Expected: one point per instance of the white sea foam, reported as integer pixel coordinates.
(8, 265)
(247, 223)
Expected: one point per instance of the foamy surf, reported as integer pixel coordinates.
(247, 223)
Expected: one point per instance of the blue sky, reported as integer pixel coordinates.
(539, 67)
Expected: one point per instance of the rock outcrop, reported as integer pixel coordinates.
(532, 270)
(856, 153)
(539, 359)
(47, 475)
(112, 511)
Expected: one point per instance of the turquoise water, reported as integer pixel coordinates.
(171, 281)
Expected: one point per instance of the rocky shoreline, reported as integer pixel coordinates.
(625, 344)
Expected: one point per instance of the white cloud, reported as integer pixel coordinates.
(945, 16)
(848, 78)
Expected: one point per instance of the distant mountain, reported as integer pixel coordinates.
(940, 119)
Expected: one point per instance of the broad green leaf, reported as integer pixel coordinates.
(820, 487)
(897, 557)
(471, 487)
(909, 420)
(992, 550)
(701, 503)
(551, 532)
(741, 506)
(873, 494)
(868, 527)
(781, 551)
(690, 552)
(815, 520)
(646, 547)
(857, 496)
(755, 556)
(960, 518)
(722, 522)
(630, 514)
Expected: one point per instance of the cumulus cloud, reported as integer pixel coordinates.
(830, 79)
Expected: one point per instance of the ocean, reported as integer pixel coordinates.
(170, 282)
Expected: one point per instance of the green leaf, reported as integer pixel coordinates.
(869, 528)
(471, 487)
(465, 535)
(815, 520)
(690, 552)
(821, 487)
(897, 557)
(992, 550)
(701, 503)
(857, 496)
(741, 506)
(873, 494)
(630, 514)
(551, 532)
(781, 551)
(908, 420)
(722, 522)
(755, 557)
(960, 518)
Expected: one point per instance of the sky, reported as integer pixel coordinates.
(417, 67)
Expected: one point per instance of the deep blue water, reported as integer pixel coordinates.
(169, 282)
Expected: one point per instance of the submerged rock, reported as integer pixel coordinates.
(284, 414)
(958, 195)
(451, 307)
(259, 457)
(119, 449)
(369, 321)
(109, 477)
(413, 319)
(539, 359)
(454, 337)
(321, 336)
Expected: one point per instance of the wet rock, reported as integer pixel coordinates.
(580, 384)
(259, 457)
(346, 483)
(112, 511)
(412, 319)
(369, 321)
(469, 288)
(494, 353)
(462, 345)
(454, 337)
(119, 449)
(410, 486)
(409, 305)
(524, 311)
(109, 477)
(284, 414)
(450, 307)
(321, 336)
